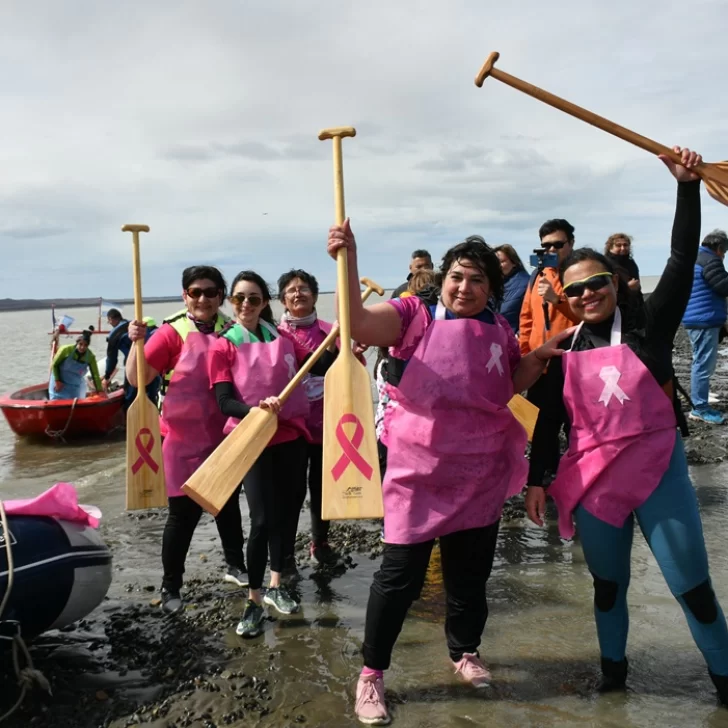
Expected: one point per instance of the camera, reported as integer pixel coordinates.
(541, 259)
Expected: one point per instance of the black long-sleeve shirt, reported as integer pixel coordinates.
(651, 339)
(231, 406)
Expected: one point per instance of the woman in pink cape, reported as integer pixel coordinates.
(455, 452)
(625, 458)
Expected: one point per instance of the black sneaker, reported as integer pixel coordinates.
(236, 576)
(251, 623)
(614, 675)
(323, 554)
(290, 573)
(172, 601)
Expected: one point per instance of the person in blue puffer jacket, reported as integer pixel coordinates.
(515, 284)
(704, 319)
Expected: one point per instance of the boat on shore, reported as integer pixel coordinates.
(30, 413)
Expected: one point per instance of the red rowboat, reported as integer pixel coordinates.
(29, 412)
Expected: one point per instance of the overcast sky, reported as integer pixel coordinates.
(200, 119)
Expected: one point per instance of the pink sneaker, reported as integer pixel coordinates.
(370, 707)
(472, 670)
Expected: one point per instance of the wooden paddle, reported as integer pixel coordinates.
(144, 467)
(212, 484)
(525, 412)
(352, 484)
(714, 175)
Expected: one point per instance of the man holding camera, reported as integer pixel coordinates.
(545, 313)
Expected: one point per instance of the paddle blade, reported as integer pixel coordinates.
(715, 178)
(212, 484)
(352, 484)
(145, 486)
(525, 412)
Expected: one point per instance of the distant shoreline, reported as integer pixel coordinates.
(33, 304)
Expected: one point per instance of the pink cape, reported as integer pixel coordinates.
(60, 501)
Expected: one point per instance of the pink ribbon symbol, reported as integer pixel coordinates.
(144, 451)
(350, 448)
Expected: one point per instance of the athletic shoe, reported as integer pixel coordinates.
(472, 670)
(279, 598)
(370, 707)
(323, 554)
(709, 415)
(172, 601)
(236, 576)
(251, 623)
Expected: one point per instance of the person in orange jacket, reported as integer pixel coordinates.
(557, 236)
(545, 296)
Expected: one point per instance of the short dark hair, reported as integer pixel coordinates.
(716, 240)
(252, 277)
(557, 225)
(420, 253)
(198, 272)
(307, 278)
(475, 249)
(113, 313)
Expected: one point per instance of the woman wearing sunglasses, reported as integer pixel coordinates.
(455, 451)
(191, 424)
(250, 364)
(625, 458)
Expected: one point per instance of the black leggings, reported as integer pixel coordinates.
(467, 559)
(273, 489)
(184, 515)
(319, 527)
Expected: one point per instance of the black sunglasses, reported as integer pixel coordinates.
(557, 245)
(593, 283)
(208, 293)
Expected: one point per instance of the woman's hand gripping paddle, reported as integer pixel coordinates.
(352, 485)
(212, 484)
(145, 486)
(714, 175)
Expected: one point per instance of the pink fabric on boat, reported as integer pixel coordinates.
(60, 501)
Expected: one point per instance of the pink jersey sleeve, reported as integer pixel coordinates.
(514, 350)
(220, 361)
(415, 319)
(163, 348)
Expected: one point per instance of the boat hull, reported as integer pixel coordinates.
(61, 572)
(30, 413)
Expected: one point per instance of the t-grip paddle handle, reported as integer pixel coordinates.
(138, 313)
(713, 174)
(336, 134)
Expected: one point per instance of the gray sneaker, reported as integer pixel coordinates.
(251, 623)
(279, 598)
(236, 576)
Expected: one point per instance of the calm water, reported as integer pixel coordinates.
(540, 639)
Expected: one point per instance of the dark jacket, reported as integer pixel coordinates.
(627, 264)
(707, 306)
(514, 289)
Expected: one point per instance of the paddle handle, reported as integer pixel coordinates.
(138, 313)
(371, 287)
(342, 269)
(600, 122)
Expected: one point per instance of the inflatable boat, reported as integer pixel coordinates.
(61, 572)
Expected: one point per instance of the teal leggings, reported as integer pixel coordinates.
(670, 522)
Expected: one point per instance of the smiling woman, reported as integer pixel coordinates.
(455, 451)
(625, 459)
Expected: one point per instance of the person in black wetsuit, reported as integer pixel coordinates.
(625, 457)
